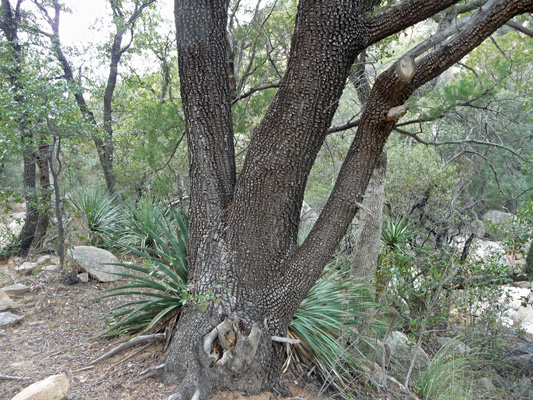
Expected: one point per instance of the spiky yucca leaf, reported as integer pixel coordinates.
(160, 283)
(103, 214)
(140, 220)
(331, 308)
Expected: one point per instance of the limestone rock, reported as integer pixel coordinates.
(486, 384)
(26, 268)
(2, 332)
(46, 260)
(51, 268)
(84, 277)
(521, 357)
(8, 319)
(15, 290)
(54, 387)
(402, 351)
(96, 262)
(5, 302)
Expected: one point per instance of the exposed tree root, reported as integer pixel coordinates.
(237, 350)
(149, 339)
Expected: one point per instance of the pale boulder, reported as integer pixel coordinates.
(5, 302)
(54, 387)
(97, 262)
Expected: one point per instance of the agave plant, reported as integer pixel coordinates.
(103, 214)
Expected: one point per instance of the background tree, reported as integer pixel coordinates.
(10, 22)
(125, 15)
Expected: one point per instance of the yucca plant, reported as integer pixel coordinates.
(331, 309)
(102, 211)
(141, 224)
(160, 283)
(395, 234)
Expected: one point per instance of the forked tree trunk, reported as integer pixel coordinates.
(246, 274)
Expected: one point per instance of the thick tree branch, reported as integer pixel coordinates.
(407, 13)
(388, 92)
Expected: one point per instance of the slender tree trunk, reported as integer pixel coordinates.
(104, 147)
(55, 169)
(368, 235)
(45, 197)
(32, 216)
(529, 259)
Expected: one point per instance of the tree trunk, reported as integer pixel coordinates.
(367, 247)
(32, 216)
(246, 274)
(368, 235)
(529, 260)
(44, 203)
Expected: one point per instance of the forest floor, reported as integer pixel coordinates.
(59, 335)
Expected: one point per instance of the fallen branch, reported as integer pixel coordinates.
(133, 354)
(150, 339)
(280, 339)
(14, 378)
(150, 372)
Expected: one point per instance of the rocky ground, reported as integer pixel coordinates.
(58, 334)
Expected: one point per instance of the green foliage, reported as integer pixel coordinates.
(330, 311)
(395, 234)
(416, 174)
(143, 222)
(103, 214)
(451, 375)
(160, 284)
(520, 231)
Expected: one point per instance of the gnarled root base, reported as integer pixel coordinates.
(207, 355)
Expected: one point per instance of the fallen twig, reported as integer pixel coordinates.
(150, 339)
(280, 339)
(133, 354)
(14, 378)
(84, 369)
(150, 372)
